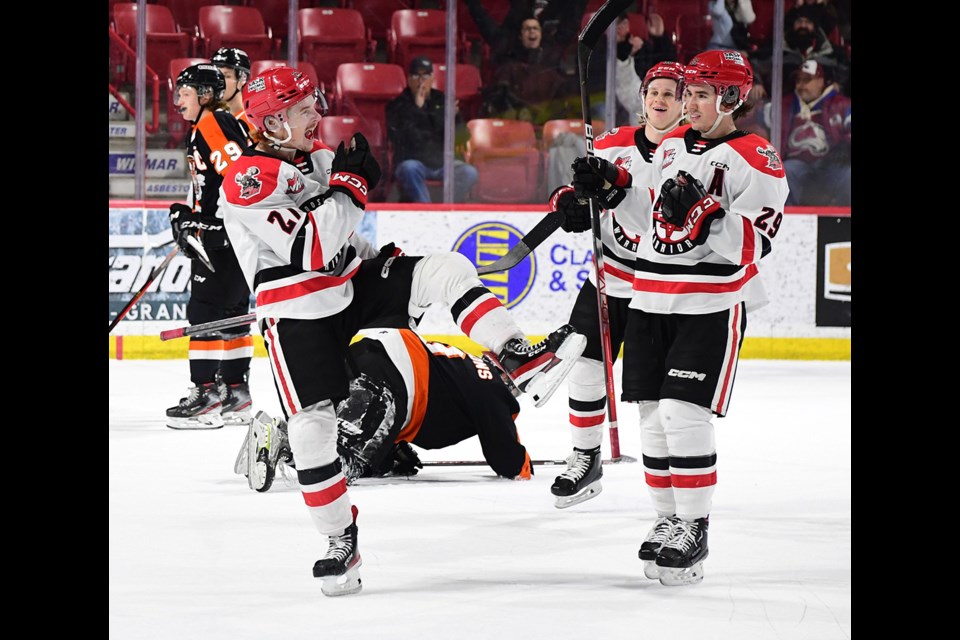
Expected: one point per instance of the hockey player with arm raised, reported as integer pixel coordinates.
(626, 154)
(720, 199)
(296, 244)
(219, 362)
(409, 391)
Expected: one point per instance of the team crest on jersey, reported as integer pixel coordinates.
(668, 157)
(624, 239)
(611, 132)
(294, 185)
(249, 184)
(773, 158)
(623, 161)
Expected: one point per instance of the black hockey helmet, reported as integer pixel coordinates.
(236, 59)
(205, 78)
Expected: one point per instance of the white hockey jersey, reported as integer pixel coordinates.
(295, 242)
(745, 173)
(620, 228)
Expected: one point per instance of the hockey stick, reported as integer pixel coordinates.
(153, 276)
(208, 327)
(540, 232)
(484, 463)
(587, 41)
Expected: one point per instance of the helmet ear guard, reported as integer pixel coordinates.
(731, 96)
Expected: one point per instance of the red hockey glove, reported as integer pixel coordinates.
(685, 203)
(596, 178)
(576, 213)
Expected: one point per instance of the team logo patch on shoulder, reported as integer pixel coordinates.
(249, 184)
(773, 158)
(668, 157)
(294, 185)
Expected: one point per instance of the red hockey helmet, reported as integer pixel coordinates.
(671, 70)
(276, 90)
(728, 72)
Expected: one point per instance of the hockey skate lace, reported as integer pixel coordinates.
(192, 394)
(577, 468)
(340, 548)
(684, 534)
(661, 531)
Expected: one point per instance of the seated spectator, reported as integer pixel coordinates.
(415, 129)
(815, 139)
(730, 19)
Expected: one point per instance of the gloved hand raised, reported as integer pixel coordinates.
(576, 213)
(604, 181)
(685, 203)
(355, 170)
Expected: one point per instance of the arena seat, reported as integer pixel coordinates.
(365, 88)
(507, 159)
(467, 89)
(328, 37)
(334, 129)
(241, 27)
(165, 39)
(378, 13)
(417, 32)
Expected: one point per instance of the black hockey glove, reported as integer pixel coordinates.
(576, 213)
(355, 171)
(391, 251)
(685, 203)
(185, 221)
(596, 178)
(406, 462)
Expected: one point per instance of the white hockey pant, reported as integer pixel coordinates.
(444, 278)
(313, 440)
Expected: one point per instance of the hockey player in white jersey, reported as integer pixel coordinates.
(720, 194)
(317, 283)
(629, 152)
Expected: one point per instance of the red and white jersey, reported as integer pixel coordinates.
(745, 173)
(295, 241)
(620, 228)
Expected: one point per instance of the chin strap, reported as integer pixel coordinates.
(277, 143)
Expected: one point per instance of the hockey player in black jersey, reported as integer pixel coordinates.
(409, 391)
(219, 363)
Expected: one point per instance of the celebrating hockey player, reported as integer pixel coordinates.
(630, 150)
(317, 283)
(409, 391)
(720, 198)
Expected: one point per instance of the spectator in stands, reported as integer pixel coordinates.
(234, 64)
(815, 140)
(658, 47)
(635, 56)
(415, 128)
(552, 17)
(730, 19)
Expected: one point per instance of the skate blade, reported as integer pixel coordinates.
(206, 422)
(490, 359)
(240, 465)
(541, 388)
(237, 418)
(672, 577)
(344, 584)
(592, 490)
(651, 570)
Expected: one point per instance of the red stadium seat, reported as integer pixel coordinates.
(507, 159)
(467, 90)
(334, 129)
(377, 13)
(187, 12)
(329, 37)
(276, 15)
(177, 127)
(165, 40)
(258, 67)
(553, 128)
(365, 88)
(417, 32)
(242, 27)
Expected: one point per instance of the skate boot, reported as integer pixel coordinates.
(235, 403)
(339, 568)
(199, 410)
(581, 480)
(653, 543)
(681, 558)
(266, 444)
(538, 369)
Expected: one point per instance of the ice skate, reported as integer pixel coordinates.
(681, 559)
(199, 410)
(653, 543)
(538, 369)
(339, 569)
(581, 480)
(235, 403)
(266, 445)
